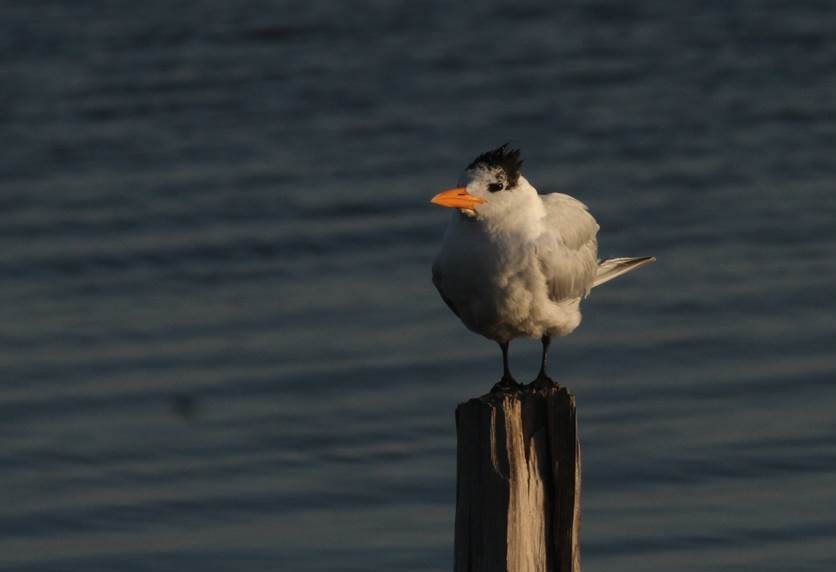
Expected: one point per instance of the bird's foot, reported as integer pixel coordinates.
(506, 385)
(543, 381)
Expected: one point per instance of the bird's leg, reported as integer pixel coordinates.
(506, 371)
(507, 383)
(546, 341)
(543, 377)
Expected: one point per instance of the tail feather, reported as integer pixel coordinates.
(615, 267)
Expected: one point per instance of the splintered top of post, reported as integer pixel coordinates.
(542, 388)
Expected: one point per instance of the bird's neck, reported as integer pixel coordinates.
(522, 222)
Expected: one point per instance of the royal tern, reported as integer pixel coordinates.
(514, 263)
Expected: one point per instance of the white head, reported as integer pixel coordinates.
(493, 191)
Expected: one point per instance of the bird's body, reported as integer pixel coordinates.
(523, 276)
(514, 263)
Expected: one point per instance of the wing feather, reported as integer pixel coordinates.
(437, 283)
(568, 248)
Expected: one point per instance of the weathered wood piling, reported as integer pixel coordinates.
(519, 482)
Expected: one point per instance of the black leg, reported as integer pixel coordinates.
(507, 382)
(542, 377)
(546, 341)
(506, 371)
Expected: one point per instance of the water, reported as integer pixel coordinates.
(220, 346)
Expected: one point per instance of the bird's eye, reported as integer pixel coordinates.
(494, 187)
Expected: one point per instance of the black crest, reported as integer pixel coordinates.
(502, 158)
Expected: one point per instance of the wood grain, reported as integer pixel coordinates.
(519, 482)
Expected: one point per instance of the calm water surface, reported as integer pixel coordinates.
(220, 346)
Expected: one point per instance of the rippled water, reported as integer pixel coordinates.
(220, 346)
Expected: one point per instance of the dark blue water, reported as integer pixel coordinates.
(219, 343)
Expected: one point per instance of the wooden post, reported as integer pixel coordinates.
(519, 482)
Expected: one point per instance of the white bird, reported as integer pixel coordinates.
(515, 263)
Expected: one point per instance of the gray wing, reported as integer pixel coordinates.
(437, 283)
(568, 249)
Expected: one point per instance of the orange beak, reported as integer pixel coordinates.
(457, 198)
